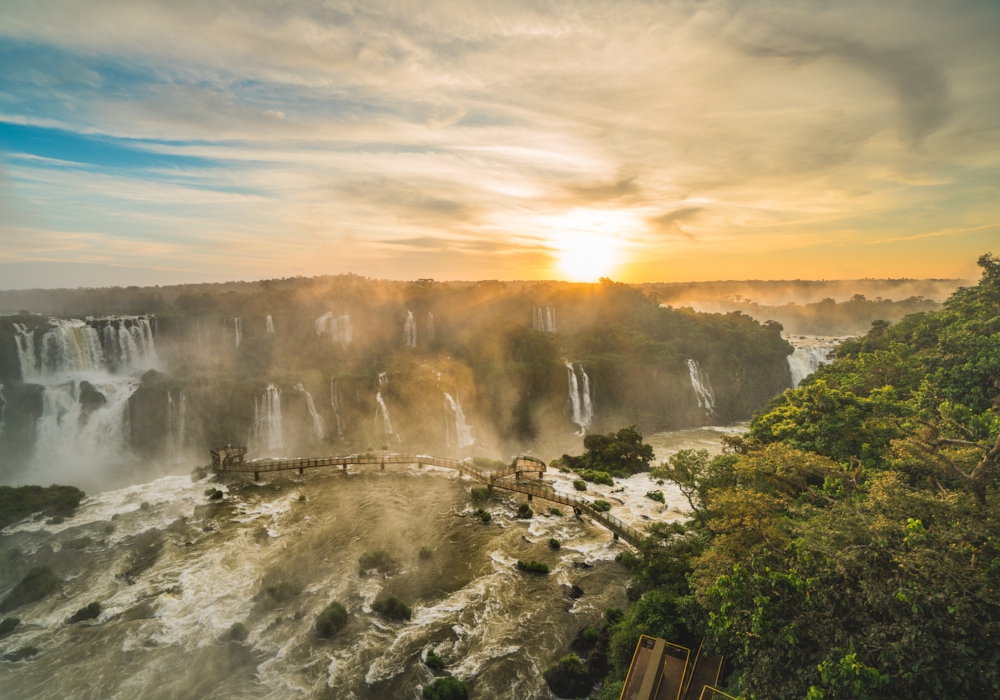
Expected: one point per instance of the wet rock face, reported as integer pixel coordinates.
(573, 591)
(90, 398)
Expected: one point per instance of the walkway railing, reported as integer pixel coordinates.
(499, 478)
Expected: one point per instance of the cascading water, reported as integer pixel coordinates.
(270, 324)
(127, 342)
(25, 341)
(383, 411)
(455, 424)
(266, 433)
(580, 405)
(318, 424)
(702, 387)
(71, 346)
(336, 402)
(3, 410)
(544, 319)
(383, 379)
(430, 326)
(338, 328)
(410, 330)
(809, 355)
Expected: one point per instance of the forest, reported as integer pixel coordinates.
(848, 545)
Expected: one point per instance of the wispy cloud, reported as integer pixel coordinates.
(463, 140)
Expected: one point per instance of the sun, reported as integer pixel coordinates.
(587, 242)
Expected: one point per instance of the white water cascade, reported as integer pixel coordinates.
(455, 424)
(127, 342)
(25, 340)
(544, 319)
(176, 417)
(3, 409)
(430, 326)
(410, 330)
(702, 387)
(809, 355)
(337, 327)
(318, 424)
(237, 323)
(580, 403)
(71, 346)
(336, 403)
(270, 324)
(383, 411)
(266, 433)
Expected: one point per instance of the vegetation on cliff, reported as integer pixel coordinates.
(882, 469)
(19, 502)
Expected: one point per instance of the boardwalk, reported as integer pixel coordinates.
(516, 477)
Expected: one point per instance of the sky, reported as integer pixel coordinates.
(187, 141)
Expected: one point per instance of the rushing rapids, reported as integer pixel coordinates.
(173, 577)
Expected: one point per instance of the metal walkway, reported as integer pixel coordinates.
(231, 459)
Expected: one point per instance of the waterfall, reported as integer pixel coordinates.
(336, 401)
(410, 330)
(270, 324)
(581, 405)
(238, 329)
(71, 346)
(339, 328)
(3, 410)
(809, 355)
(383, 379)
(266, 434)
(171, 419)
(462, 430)
(68, 431)
(702, 387)
(175, 425)
(25, 340)
(319, 427)
(127, 341)
(237, 322)
(544, 319)
(430, 326)
(384, 411)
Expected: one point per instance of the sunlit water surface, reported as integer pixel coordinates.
(174, 576)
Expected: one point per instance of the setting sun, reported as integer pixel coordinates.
(587, 244)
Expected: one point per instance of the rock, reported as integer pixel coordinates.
(582, 565)
(90, 398)
(573, 591)
(153, 377)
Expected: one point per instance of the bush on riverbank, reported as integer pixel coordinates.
(17, 503)
(602, 506)
(579, 484)
(656, 496)
(392, 608)
(379, 560)
(597, 477)
(533, 567)
(90, 612)
(39, 582)
(622, 452)
(481, 494)
(446, 688)
(331, 620)
(569, 678)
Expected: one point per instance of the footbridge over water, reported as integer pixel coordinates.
(515, 477)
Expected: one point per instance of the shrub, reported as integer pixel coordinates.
(237, 633)
(91, 612)
(39, 582)
(21, 654)
(393, 608)
(433, 661)
(597, 477)
(284, 591)
(20, 502)
(213, 494)
(524, 511)
(426, 552)
(483, 515)
(58, 520)
(568, 678)
(579, 484)
(302, 498)
(481, 494)
(8, 625)
(145, 506)
(554, 543)
(446, 688)
(378, 560)
(331, 620)
(108, 529)
(533, 567)
(555, 511)
(79, 543)
(614, 615)
(602, 506)
(656, 496)
(590, 636)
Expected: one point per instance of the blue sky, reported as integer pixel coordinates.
(184, 141)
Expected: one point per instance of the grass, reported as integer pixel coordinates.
(39, 582)
(393, 608)
(579, 484)
(378, 560)
(446, 688)
(533, 567)
(20, 502)
(331, 620)
(91, 612)
(433, 661)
